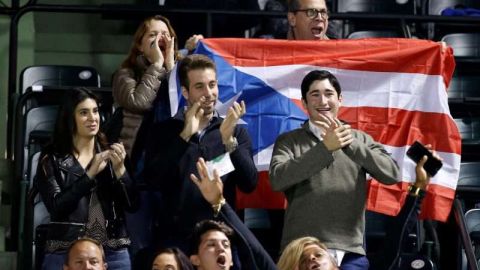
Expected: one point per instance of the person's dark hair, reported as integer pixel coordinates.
(80, 240)
(319, 75)
(208, 225)
(293, 5)
(65, 126)
(193, 62)
(182, 260)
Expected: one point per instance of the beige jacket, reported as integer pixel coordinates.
(135, 97)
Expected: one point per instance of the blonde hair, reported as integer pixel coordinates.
(292, 254)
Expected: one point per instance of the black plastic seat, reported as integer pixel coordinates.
(56, 75)
(374, 34)
(435, 7)
(464, 87)
(469, 175)
(375, 6)
(464, 44)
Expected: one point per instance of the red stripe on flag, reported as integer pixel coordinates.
(389, 200)
(262, 197)
(417, 56)
(398, 127)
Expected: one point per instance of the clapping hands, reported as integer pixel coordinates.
(336, 135)
(231, 119)
(116, 154)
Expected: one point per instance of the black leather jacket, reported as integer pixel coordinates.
(66, 189)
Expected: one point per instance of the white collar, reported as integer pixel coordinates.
(316, 130)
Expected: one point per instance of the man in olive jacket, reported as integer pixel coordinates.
(321, 167)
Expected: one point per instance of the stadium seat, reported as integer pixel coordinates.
(36, 217)
(373, 34)
(375, 6)
(472, 220)
(39, 124)
(464, 87)
(469, 128)
(435, 7)
(469, 178)
(464, 44)
(465, 250)
(55, 75)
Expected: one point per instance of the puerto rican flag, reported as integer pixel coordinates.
(393, 89)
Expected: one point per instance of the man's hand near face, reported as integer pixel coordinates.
(231, 119)
(193, 116)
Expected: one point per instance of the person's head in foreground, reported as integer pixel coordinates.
(211, 244)
(85, 254)
(171, 259)
(306, 253)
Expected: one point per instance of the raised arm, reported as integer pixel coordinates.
(212, 191)
(137, 96)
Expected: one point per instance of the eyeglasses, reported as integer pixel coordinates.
(313, 12)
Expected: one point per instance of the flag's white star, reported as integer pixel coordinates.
(222, 108)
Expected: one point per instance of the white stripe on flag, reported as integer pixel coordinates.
(364, 88)
(173, 91)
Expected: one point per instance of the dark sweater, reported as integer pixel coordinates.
(169, 161)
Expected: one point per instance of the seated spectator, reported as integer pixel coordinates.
(306, 253)
(84, 184)
(85, 253)
(171, 259)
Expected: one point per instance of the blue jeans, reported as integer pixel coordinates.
(116, 260)
(353, 261)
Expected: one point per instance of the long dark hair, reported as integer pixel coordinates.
(65, 126)
(180, 257)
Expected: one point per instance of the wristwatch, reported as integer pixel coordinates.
(415, 191)
(232, 145)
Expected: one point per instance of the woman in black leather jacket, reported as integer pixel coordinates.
(84, 184)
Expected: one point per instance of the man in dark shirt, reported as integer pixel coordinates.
(174, 146)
